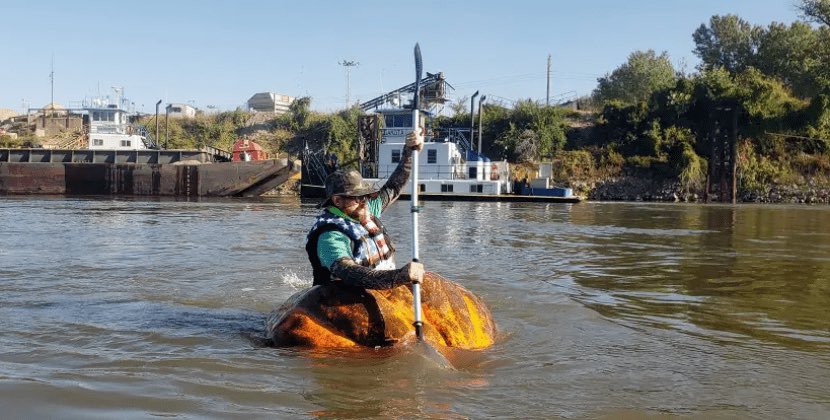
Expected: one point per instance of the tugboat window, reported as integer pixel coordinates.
(446, 188)
(393, 121)
(432, 156)
(396, 156)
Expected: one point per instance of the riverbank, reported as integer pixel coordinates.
(638, 189)
(627, 188)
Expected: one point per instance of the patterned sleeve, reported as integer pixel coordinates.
(347, 271)
(394, 185)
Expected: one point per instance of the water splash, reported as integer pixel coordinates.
(293, 280)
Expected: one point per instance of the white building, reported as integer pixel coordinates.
(178, 110)
(270, 102)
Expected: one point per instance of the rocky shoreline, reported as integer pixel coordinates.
(638, 189)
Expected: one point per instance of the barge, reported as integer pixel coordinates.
(184, 173)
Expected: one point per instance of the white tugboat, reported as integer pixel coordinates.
(446, 165)
(109, 126)
(448, 168)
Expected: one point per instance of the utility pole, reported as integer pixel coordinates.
(547, 97)
(52, 79)
(348, 65)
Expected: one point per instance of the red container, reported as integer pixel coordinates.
(247, 150)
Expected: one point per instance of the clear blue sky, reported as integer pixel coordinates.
(220, 53)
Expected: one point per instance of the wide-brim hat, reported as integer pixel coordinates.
(346, 182)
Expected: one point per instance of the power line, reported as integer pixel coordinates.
(509, 79)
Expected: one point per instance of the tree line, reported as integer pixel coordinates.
(770, 82)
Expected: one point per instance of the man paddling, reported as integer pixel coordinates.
(348, 242)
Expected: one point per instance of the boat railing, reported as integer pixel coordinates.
(432, 171)
(459, 136)
(218, 155)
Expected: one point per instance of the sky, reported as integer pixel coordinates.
(217, 54)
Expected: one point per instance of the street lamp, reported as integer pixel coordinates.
(472, 119)
(158, 137)
(167, 127)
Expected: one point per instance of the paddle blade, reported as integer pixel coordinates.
(419, 67)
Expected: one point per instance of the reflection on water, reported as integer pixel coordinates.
(604, 309)
(736, 272)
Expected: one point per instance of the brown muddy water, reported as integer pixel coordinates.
(118, 308)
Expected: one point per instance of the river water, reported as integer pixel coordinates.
(119, 308)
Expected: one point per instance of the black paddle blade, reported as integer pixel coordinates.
(419, 67)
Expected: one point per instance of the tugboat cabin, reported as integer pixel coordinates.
(110, 129)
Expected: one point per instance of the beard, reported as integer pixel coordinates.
(360, 213)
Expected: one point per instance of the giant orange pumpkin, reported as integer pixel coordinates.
(338, 315)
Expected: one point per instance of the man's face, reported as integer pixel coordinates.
(354, 207)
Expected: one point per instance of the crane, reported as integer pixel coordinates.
(433, 90)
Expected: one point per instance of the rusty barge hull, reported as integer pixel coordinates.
(216, 179)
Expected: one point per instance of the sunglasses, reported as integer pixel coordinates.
(359, 198)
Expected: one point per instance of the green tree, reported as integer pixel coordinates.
(729, 42)
(817, 115)
(816, 10)
(637, 79)
(342, 135)
(764, 98)
(299, 112)
(620, 124)
(533, 131)
(790, 54)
